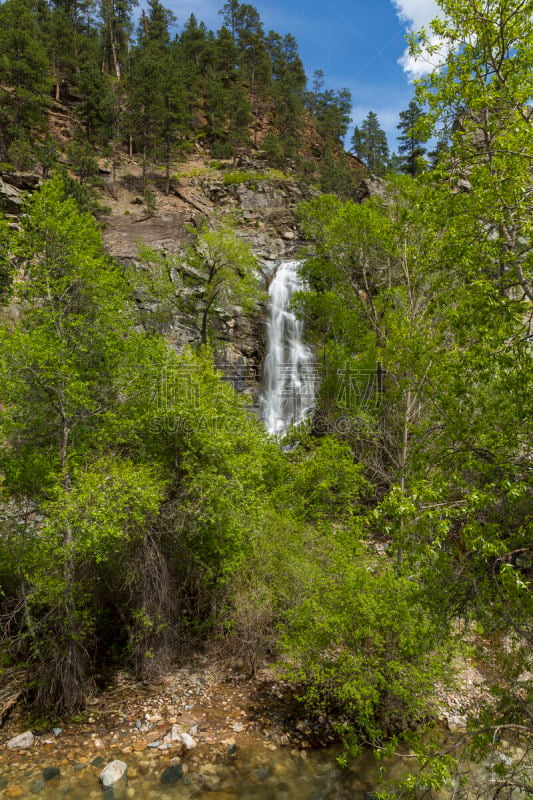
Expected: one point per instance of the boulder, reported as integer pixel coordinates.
(21, 742)
(11, 199)
(24, 181)
(456, 723)
(113, 773)
(167, 233)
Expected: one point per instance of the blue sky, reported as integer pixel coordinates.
(360, 44)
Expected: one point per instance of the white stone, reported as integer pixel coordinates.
(188, 741)
(21, 742)
(238, 727)
(114, 772)
(177, 735)
(456, 723)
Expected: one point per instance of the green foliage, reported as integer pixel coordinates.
(217, 275)
(411, 140)
(83, 160)
(273, 149)
(6, 263)
(320, 482)
(369, 143)
(21, 154)
(429, 292)
(109, 503)
(137, 486)
(25, 75)
(363, 642)
(250, 177)
(336, 177)
(330, 109)
(48, 155)
(150, 201)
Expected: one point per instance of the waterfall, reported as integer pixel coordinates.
(289, 375)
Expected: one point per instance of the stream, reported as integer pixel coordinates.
(251, 773)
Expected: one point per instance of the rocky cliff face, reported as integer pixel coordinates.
(262, 204)
(263, 209)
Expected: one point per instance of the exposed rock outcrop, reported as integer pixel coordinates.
(11, 198)
(167, 233)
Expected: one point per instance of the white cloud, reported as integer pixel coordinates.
(416, 14)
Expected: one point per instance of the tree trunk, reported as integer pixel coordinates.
(167, 167)
(203, 336)
(145, 156)
(116, 62)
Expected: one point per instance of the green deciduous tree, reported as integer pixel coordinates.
(217, 275)
(67, 367)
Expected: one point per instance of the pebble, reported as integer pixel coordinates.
(188, 741)
(172, 774)
(14, 790)
(21, 742)
(51, 772)
(114, 772)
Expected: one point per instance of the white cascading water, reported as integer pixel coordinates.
(289, 380)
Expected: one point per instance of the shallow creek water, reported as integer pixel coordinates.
(252, 773)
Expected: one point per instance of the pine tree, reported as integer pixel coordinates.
(225, 57)
(410, 141)
(149, 80)
(116, 31)
(289, 81)
(25, 74)
(369, 144)
(175, 123)
(72, 40)
(331, 110)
